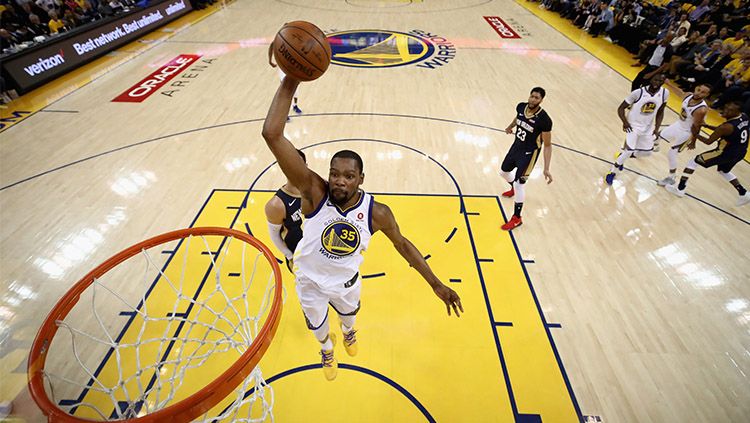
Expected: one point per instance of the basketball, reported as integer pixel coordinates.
(302, 51)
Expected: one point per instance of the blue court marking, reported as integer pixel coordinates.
(247, 226)
(427, 257)
(211, 253)
(374, 275)
(554, 325)
(508, 324)
(529, 418)
(234, 207)
(453, 232)
(168, 251)
(393, 115)
(528, 261)
(127, 313)
(184, 314)
(473, 214)
(544, 319)
(486, 260)
(234, 275)
(390, 382)
(454, 280)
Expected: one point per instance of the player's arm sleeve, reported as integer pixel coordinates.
(633, 97)
(274, 231)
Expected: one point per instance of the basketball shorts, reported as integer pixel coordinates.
(723, 160)
(315, 299)
(523, 161)
(677, 136)
(640, 139)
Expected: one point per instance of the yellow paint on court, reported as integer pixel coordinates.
(413, 359)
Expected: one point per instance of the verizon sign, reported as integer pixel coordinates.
(503, 29)
(150, 84)
(37, 65)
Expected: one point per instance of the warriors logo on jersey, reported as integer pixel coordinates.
(648, 108)
(340, 238)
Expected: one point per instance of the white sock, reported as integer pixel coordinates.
(321, 334)
(624, 155)
(672, 157)
(347, 323)
(728, 176)
(520, 192)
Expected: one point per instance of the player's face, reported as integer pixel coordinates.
(535, 99)
(657, 81)
(701, 92)
(730, 110)
(344, 179)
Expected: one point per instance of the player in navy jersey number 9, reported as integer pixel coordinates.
(533, 128)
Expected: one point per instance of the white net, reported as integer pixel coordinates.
(159, 327)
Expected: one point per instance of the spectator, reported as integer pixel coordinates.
(36, 27)
(684, 22)
(116, 6)
(56, 25)
(699, 11)
(680, 38)
(706, 72)
(658, 62)
(735, 43)
(7, 40)
(604, 22)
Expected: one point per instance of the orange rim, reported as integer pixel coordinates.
(198, 403)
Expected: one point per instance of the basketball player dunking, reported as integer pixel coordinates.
(533, 128)
(340, 218)
(284, 216)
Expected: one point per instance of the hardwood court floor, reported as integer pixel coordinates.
(621, 302)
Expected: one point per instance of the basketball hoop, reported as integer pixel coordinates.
(189, 325)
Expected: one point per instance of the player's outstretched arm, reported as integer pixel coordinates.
(721, 131)
(383, 219)
(310, 184)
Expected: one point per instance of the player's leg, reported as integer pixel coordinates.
(525, 166)
(707, 159)
(314, 304)
(347, 306)
(725, 170)
(631, 140)
(677, 138)
(508, 171)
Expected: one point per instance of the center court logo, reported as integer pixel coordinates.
(385, 49)
(340, 238)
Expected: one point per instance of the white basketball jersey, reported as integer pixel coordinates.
(643, 107)
(686, 114)
(333, 241)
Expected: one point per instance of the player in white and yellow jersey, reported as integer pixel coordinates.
(646, 106)
(340, 218)
(682, 133)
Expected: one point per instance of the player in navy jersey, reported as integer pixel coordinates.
(533, 129)
(732, 136)
(284, 216)
(340, 219)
